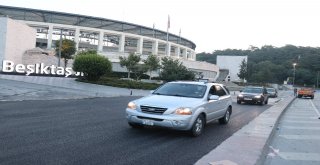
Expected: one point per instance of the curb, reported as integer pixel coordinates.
(249, 144)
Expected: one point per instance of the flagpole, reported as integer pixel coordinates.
(180, 36)
(167, 53)
(153, 30)
(168, 28)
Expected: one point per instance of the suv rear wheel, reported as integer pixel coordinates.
(225, 119)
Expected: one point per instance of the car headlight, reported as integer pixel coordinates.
(183, 111)
(240, 95)
(258, 97)
(132, 106)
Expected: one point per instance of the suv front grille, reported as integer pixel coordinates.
(153, 110)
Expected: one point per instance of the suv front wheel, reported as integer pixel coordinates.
(198, 125)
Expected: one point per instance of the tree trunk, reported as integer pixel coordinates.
(65, 63)
(150, 75)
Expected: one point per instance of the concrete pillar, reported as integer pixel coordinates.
(155, 48)
(121, 42)
(177, 52)
(76, 37)
(168, 49)
(184, 53)
(49, 41)
(193, 55)
(140, 45)
(100, 43)
(190, 54)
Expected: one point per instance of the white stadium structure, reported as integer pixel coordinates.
(111, 38)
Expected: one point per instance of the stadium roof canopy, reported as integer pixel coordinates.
(36, 15)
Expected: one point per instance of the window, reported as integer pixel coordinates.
(228, 92)
(213, 90)
(220, 91)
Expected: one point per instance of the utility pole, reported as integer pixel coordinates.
(294, 73)
(318, 79)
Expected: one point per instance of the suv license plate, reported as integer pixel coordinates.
(247, 99)
(147, 122)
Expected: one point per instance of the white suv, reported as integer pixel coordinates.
(182, 106)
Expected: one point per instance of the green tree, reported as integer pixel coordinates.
(152, 63)
(174, 70)
(129, 62)
(279, 65)
(243, 70)
(68, 49)
(92, 65)
(139, 70)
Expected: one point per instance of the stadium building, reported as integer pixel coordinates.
(111, 38)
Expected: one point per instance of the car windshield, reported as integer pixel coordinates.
(252, 90)
(182, 90)
(270, 89)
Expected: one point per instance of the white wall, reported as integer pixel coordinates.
(16, 39)
(232, 63)
(3, 31)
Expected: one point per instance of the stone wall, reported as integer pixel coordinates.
(38, 55)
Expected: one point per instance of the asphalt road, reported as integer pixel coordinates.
(95, 131)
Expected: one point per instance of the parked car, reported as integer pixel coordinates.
(253, 94)
(182, 106)
(272, 92)
(306, 92)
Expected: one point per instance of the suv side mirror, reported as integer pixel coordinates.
(214, 97)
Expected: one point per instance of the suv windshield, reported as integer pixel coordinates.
(252, 90)
(181, 90)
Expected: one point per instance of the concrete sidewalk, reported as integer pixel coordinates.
(248, 145)
(297, 139)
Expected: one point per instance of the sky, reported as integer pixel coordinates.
(210, 24)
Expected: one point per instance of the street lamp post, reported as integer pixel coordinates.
(318, 80)
(294, 73)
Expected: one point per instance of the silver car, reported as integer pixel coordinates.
(182, 106)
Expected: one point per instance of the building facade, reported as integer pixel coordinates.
(110, 38)
(232, 65)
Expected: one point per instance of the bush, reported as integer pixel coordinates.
(173, 70)
(92, 65)
(122, 83)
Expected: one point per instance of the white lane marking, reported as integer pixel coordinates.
(315, 109)
(274, 152)
(301, 122)
(300, 117)
(302, 128)
(301, 137)
(300, 156)
(223, 162)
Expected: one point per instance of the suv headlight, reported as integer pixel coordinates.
(183, 111)
(240, 95)
(132, 106)
(258, 97)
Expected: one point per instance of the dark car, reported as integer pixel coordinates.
(253, 94)
(272, 92)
